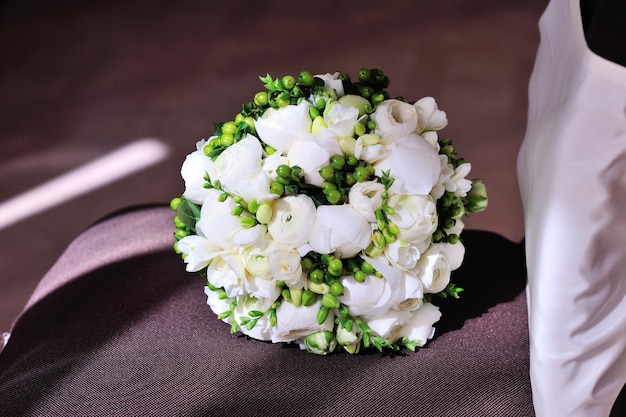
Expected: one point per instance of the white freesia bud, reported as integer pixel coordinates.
(420, 325)
(446, 171)
(430, 117)
(292, 220)
(415, 216)
(340, 230)
(225, 271)
(457, 183)
(366, 197)
(320, 343)
(414, 165)
(283, 127)
(360, 103)
(293, 323)
(347, 337)
(395, 119)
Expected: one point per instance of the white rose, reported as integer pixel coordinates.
(395, 119)
(341, 119)
(286, 266)
(430, 117)
(389, 324)
(293, 323)
(414, 165)
(217, 304)
(236, 163)
(366, 197)
(415, 216)
(420, 325)
(223, 229)
(262, 330)
(433, 269)
(313, 152)
(340, 230)
(332, 82)
(198, 250)
(283, 127)
(193, 170)
(292, 220)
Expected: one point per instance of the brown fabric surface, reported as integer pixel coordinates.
(119, 328)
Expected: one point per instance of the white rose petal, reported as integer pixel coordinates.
(283, 127)
(366, 197)
(198, 250)
(193, 170)
(395, 119)
(236, 163)
(340, 230)
(293, 323)
(292, 220)
(414, 165)
(420, 325)
(430, 117)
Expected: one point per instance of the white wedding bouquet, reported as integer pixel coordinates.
(327, 214)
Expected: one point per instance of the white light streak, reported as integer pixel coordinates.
(122, 162)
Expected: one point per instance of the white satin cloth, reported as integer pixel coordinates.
(572, 174)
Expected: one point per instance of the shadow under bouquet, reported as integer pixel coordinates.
(327, 214)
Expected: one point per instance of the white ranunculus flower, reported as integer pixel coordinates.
(341, 119)
(389, 324)
(410, 293)
(193, 170)
(420, 325)
(292, 220)
(414, 165)
(226, 271)
(285, 264)
(402, 254)
(283, 127)
(262, 330)
(223, 229)
(340, 230)
(271, 162)
(312, 153)
(255, 186)
(395, 119)
(293, 323)
(369, 298)
(433, 269)
(371, 153)
(332, 82)
(236, 163)
(455, 254)
(415, 216)
(198, 250)
(445, 172)
(218, 305)
(430, 117)
(366, 197)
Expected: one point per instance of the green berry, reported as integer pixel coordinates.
(283, 171)
(260, 98)
(229, 128)
(277, 188)
(363, 74)
(338, 162)
(317, 275)
(336, 289)
(288, 82)
(306, 78)
(327, 172)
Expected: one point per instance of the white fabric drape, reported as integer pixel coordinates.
(572, 174)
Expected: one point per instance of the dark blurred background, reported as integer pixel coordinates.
(81, 79)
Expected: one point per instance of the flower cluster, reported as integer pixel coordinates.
(327, 214)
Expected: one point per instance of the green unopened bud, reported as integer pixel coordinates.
(308, 298)
(347, 144)
(329, 300)
(358, 102)
(253, 206)
(286, 294)
(322, 314)
(352, 349)
(247, 222)
(370, 139)
(296, 296)
(175, 202)
(318, 288)
(318, 124)
(378, 239)
(236, 211)
(320, 343)
(389, 237)
(314, 113)
(264, 213)
(348, 333)
(477, 197)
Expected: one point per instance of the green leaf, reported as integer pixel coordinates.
(188, 213)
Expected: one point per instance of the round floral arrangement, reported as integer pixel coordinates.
(327, 214)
